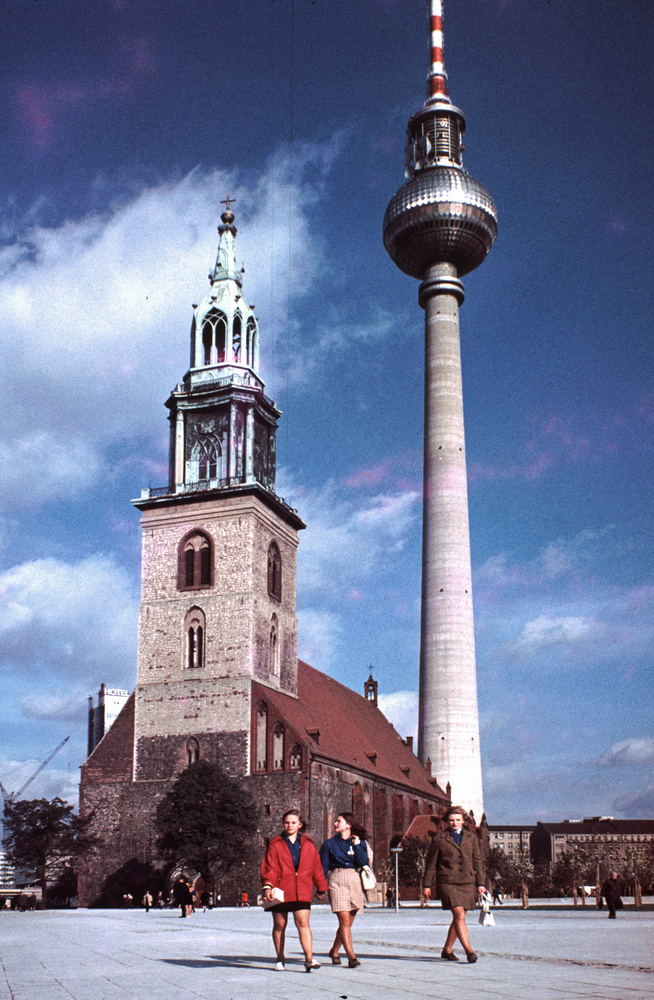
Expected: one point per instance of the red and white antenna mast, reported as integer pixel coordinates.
(437, 81)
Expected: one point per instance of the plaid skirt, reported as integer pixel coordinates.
(345, 892)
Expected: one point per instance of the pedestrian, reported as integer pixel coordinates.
(182, 896)
(497, 895)
(612, 891)
(244, 899)
(343, 856)
(292, 864)
(147, 900)
(454, 857)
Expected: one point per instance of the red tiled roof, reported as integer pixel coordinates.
(344, 727)
(112, 758)
(422, 828)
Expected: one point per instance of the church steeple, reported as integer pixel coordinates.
(222, 424)
(224, 330)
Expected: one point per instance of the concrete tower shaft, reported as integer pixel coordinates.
(439, 226)
(448, 729)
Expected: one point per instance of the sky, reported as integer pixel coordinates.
(124, 125)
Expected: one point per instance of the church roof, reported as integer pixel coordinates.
(422, 828)
(112, 758)
(339, 725)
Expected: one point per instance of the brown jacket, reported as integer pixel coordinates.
(454, 864)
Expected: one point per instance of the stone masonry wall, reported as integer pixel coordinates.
(172, 699)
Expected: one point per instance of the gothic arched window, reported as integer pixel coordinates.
(236, 340)
(262, 737)
(278, 747)
(214, 331)
(273, 659)
(250, 334)
(274, 571)
(194, 633)
(192, 751)
(195, 568)
(207, 459)
(295, 758)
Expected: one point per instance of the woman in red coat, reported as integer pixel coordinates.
(292, 863)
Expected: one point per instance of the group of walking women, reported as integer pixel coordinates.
(293, 865)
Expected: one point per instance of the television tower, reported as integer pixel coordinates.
(439, 226)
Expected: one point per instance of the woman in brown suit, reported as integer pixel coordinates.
(455, 858)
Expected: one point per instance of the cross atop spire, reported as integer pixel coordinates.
(228, 216)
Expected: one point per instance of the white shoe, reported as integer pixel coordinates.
(280, 967)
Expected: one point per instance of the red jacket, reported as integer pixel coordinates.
(278, 870)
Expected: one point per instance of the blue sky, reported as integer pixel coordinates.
(124, 124)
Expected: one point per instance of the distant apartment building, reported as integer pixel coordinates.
(6, 870)
(101, 717)
(510, 839)
(612, 837)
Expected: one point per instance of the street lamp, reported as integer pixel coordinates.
(598, 887)
(396, 851)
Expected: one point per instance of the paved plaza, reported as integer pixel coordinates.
(226, 954)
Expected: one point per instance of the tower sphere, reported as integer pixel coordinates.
(440, 215)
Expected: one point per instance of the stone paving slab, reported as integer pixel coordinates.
(227, 954)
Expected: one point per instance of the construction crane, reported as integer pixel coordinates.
(10, 796)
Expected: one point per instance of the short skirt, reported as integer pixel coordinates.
(345, 892)
(289, 907)
(458, 895)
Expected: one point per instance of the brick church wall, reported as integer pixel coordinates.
(162, 757)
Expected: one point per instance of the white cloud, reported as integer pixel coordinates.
(95, 313)
(318, 634)
(558, 559)
(401, 709)
(60, 620)
(547, 631)
(52, 781)
(338, 335)
(635, 805)
(345, 543)
(41, 466)
(64, 705)
(505, 778)
(632, 752)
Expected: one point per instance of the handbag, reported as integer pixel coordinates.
(277, 897)
(368, 879)
(486, 918)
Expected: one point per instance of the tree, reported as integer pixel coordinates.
(522, 872)
(206, 821)
(498, 868)
(412, 859)
(540, 884)
(44, 837)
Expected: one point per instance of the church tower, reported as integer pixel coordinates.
(219, 549)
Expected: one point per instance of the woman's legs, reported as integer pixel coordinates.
(279, 934)
(301, 918)
(344, 933)
(457, 929)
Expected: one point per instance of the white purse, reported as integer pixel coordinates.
(368, 879)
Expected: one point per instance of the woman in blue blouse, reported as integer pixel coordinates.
(342, 856)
